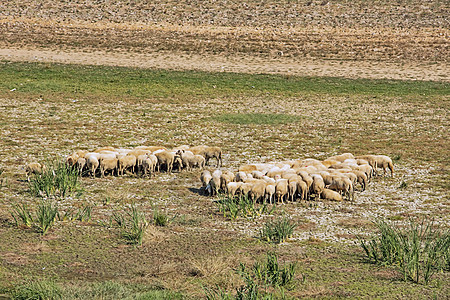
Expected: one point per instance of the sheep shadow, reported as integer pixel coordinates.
(198, 191)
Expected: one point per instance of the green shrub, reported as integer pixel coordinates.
(21, 214)
(260, 281)
(132, 225)
(84, 213)
(58, 180)
(418, 251)
(277, 231)
(159, 218)
(241, 206)
(46, 215)
(37, 290)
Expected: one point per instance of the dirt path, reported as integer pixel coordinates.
(240, 64)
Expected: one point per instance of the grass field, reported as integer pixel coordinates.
(49, 110)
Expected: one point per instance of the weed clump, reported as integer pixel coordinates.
(263, 280)
(132, 225)
(241, 206)
(277, 231)
(58, 180)
(418, 251)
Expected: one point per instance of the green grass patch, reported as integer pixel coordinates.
(50, 80)
(277, 231)
(258, 119)
(57, 180)
(418, 251)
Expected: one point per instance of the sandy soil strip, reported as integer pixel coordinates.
(240, 64)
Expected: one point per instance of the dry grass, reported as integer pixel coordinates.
(319, 29)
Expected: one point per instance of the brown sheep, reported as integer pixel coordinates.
(328, 194)
(166, 158)
(109, 164)
(126, 162)
(34, 168)
(281, 190)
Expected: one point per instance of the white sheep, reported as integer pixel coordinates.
(126, 162)
(269, 192)
(328, 194)
(281, 190)
(108, 164)
(205, 178)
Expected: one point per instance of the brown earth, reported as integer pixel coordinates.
(356, 39)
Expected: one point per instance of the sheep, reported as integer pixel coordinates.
(140, 163)
(186, 158)
(329, 162)
(246, 188)
(269, 192)
(292, 189)
(149, 164)
(318, 185)
(302, 189)
(108, 164)
(370, 159)
(247, 168)
(71, 160)
(126, 162)
(107, 148)
(150, 148)
(281, 190)
(213, 152)
(361, 178)
(385, 162)
(81, 162)
(343, 185)
(138, 152)
(257, 174)
(268, 179)
(328, 194)
(34, 168)
(225, 178)
(166, 158)
(368, 170)
(92, 164)
(306, 178)
(208, 153)
(258, 191)
(233, 188)
(341, 157)
(240, 176)
(205, 178)
(198, 161)
(215, 182)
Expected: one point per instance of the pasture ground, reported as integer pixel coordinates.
(346, 76)
(49, 110)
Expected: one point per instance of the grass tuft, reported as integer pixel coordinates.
(132, 225)
(22, 215)
(418, 251)
(58, 180)
(37, 290)
(260, 281)
(277, 231)
(241, 206)
(46, 216)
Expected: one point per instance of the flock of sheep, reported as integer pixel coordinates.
(333, 179)
(144, 160)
